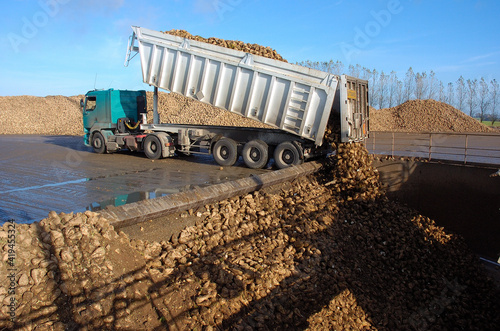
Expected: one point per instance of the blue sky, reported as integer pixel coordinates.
(64, 47)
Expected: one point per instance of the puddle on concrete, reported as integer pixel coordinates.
(124, 199)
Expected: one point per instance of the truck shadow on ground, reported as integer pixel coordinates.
(74, 143)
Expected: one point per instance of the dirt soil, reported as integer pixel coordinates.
(325, 252)
(424, 116)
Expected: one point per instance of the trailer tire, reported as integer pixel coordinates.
(255, 154)
(225, 152)
(98, 143)
(287, 155)
(152, 147)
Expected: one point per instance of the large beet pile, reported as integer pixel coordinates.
(324, 252)
(232, 44)
(175, 108)
(51, 115)
(424, 116)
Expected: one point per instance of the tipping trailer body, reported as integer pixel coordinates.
(289, 97)
(300, 104)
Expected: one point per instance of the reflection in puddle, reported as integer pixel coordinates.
(123, 199)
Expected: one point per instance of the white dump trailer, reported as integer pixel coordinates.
(300, 103)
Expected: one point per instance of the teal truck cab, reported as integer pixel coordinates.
(110, 111)
(111, 117)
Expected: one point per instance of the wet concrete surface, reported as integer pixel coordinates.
(44, 173)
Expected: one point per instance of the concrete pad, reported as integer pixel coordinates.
(148, 209)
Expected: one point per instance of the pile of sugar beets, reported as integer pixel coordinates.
(232, 44)
(327, 252)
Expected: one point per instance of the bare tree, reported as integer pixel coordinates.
(409, 84)
(368, 76)
(393, 85)
(471, 95)
(450, 94)
(484, 98)
(382, 89)
(494, 101)
(373, 90)
(441, 92)
(386, 90)
(420, 85)
(400, 95)
(355, 70)
(305, 63)
(365, 73)
(433, 85)
(461, 93)
(338, 68)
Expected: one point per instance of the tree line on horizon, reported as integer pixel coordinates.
(475, 97)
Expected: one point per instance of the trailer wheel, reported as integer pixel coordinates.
(225, 152)
(152, 147)
(286, 155)
(255, 154)
(98, 143)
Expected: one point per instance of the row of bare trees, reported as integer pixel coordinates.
(478, 98)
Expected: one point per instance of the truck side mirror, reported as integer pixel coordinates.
(81, 103)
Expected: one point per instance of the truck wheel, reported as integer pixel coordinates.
(98, 143)
(286, 155)
(255, 154)
(225, 152)
(152, 147)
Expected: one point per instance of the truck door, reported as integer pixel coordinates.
(354, 109)
(89, 118)
(96, 110)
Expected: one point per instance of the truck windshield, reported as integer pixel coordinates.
(90, 104)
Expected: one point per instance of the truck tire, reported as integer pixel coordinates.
(152, 147)
(287, 155)
(255, 154)
(98, 143)
(225, 152)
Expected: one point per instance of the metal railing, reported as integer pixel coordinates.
(479, 148)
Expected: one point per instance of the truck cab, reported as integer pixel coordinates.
(108, 112)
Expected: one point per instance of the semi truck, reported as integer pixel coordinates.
(298, 104)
